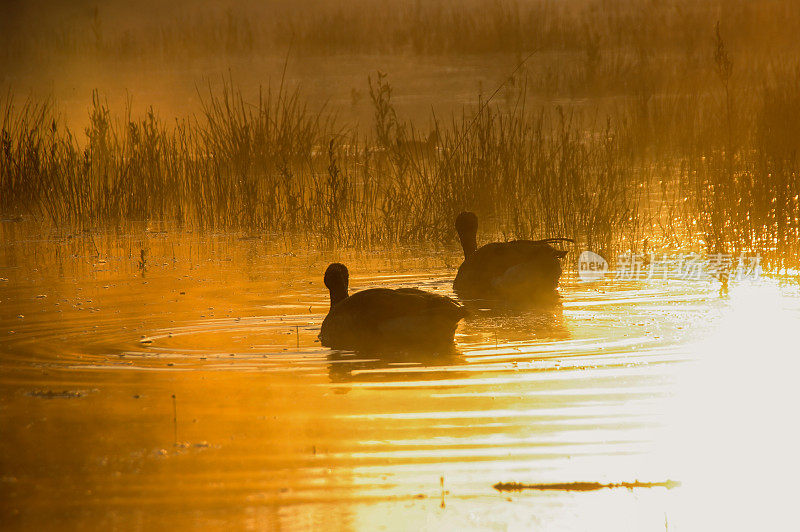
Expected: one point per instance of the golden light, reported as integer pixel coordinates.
(735, 433)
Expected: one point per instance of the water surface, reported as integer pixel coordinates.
(188, 390)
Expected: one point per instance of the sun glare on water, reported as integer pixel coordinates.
(735, 434)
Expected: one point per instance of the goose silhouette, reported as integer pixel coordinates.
(517, 273)
(424, 147)
(383, 317)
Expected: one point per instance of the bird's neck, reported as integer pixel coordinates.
(468, 244)
(337, 294)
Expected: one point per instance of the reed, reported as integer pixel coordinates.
(697, 148)
(275, 167)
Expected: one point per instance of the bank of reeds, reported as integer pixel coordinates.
(273, 166)
(716, 172)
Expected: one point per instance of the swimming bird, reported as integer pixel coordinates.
(384, 317)
(420, 147)
(519, 272)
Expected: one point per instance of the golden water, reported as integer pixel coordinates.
(645, 380)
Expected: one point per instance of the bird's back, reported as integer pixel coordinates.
(382, 315)
(513, 270)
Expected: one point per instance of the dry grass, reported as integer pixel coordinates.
(685, 134)
(275, 167)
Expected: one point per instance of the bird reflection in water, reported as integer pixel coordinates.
(483, 326)
(394, 363)
(502, 325)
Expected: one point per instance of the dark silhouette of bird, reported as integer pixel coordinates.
(420, 147)
(382, 317)
(515, 273)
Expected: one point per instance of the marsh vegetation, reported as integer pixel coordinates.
(680, 131)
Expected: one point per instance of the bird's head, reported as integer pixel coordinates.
(337, 279)
(467, 227)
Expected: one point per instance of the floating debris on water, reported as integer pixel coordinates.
(584, 486)
(63, 394)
